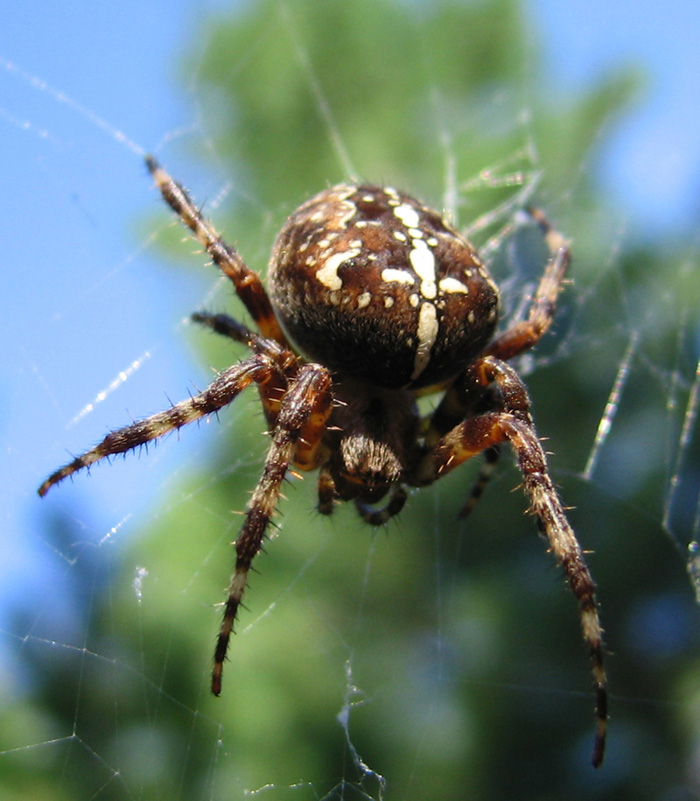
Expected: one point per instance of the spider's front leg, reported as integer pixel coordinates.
(512, 423)
(246, 282)
(297, 438)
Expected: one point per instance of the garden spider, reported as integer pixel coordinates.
(387, 303)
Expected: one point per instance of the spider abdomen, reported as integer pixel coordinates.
(373, 284)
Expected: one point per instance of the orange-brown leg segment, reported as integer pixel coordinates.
(514, 425)
(297, 436)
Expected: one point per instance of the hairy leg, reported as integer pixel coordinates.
(246, 282)
(296, 438)
(523, 335)
(513, 424)
(257, 369)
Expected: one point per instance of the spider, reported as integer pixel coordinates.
(374, 300)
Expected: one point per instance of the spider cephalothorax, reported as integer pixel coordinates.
(374, 300)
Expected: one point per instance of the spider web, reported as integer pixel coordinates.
(410, 663)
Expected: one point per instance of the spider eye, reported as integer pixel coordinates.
(375, 285)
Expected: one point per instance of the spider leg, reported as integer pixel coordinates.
(247, 283)
(257, 369)
(327, 494)
(297, 438)
(229, 327)
(514, 425)
(491, 457)
(526, 333)
(271, 391)
(464, 400)
(378, 517)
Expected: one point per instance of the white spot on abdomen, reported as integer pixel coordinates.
(390, 274)
(328, 274)
(427, 333)
(423, 262)
(408, 215)
(363, 300)
(452, 285)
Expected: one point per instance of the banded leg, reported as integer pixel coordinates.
(229, 327)
(514, 425)
(271, 392)
(491, 457)
(297, 438)
(523, 335)
(257, 369)
(246, 282)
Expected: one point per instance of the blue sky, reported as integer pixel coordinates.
(85, 295)
(652, 165)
